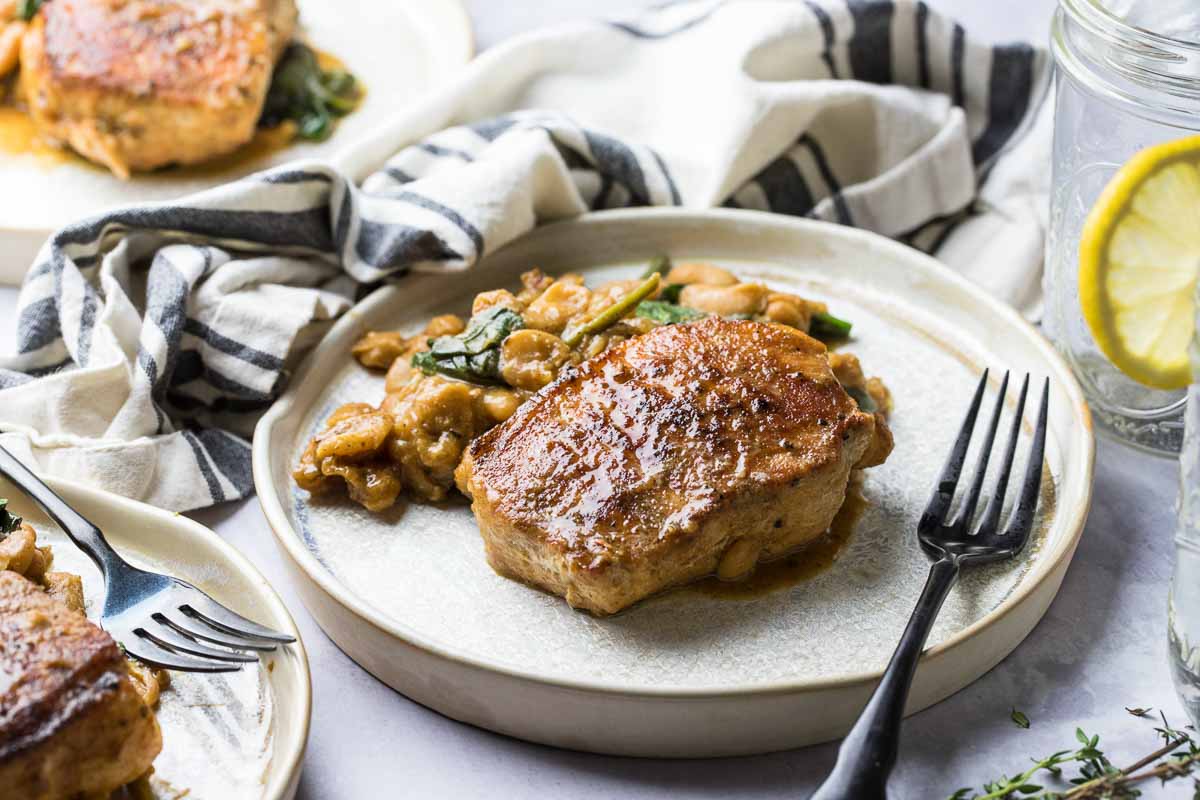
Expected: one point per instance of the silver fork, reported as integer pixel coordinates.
(868, 752)
(163, 621)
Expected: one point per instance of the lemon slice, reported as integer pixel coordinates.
(1138, 263)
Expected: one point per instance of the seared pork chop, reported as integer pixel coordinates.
(72, 723)
(689, 450)
(139, 84)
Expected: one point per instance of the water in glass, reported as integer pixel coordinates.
(1128, 77)
(1183, 610)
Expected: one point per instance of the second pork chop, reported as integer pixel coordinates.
(72, 723)
(691, 449)
(139, 84)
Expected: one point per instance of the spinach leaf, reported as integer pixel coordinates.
(826, 326)
(27, 8)
(667, 313)
(671, 292)
(306, 94)
(474, 354)
(8, 521)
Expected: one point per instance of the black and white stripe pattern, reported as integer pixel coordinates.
(150, 339)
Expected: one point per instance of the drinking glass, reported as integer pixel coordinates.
(1128, 77)
(1183, 609)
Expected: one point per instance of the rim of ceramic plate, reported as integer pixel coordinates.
(1074, 517)
(285, 764)
(447, 18)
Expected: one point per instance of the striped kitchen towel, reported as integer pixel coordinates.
(150, 339)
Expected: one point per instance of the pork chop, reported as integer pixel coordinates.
(72, 723)
(689, 450)
(139, 84)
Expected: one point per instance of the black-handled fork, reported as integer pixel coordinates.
(868, 752)
(158, 619)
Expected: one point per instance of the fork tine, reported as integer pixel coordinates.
(218, 616)
(197, 628)
(943, 493)
(144, 649)
(166, 636)
(1021, 523)
(991, 516)
(985, 453)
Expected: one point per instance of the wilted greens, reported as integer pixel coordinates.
(474, 354)
(826, 326)
(27, 8)
(306, 94)
(670, 293)
(8, 521)
(667, 313)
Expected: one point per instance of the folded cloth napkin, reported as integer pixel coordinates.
(151, 338)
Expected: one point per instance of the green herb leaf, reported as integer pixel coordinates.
(314, 126)
(307, 95)
(1020, 719)
(667, 313)
(26, 9)
(474, 354)
(827, 327)
(8, 521)
(670, 293)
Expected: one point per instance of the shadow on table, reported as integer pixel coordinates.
(1100, 647)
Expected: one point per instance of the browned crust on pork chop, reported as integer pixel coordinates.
(71, 721)
(138, 84)
(643, 467)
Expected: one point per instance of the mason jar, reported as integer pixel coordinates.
(1128, 77)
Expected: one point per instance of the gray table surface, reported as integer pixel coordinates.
(1100, 648)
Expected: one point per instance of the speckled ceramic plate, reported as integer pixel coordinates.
(232, 736)
(409, 595)
(400, 49)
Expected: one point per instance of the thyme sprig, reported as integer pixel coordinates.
(1097, 778)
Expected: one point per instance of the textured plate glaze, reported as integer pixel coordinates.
(234, 736)
(400, 49)
(417, 577)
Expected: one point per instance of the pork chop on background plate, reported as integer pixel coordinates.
(140, 84)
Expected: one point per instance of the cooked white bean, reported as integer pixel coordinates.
(744, 298)
(699, 272)
(529, 359)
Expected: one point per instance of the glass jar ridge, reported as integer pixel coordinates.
(1120, 87)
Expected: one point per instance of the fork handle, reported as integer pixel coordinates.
(868, 752)
(82, 532)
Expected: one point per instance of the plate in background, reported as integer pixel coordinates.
(235, 736)
(409, 595)
(399, 49)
